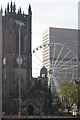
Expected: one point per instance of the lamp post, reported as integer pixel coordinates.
(20, 24)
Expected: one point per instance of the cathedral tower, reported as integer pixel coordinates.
(10, 58)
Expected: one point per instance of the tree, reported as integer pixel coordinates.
(69, 90)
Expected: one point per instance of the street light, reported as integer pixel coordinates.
(20, 24)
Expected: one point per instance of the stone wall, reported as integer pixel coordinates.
(0, 64)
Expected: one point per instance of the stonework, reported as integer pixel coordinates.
(34, 91)
(0, 64)
(10, 56)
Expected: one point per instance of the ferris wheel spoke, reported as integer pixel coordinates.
(53, 54)
(37, 64)
(59, 55)
(40, 47)
(38, 58)
(35, 68)
(63, 58)
(57, 77)
(66, 63)
(36, 73)
(72, 75)
(55, 80)
(67, 68)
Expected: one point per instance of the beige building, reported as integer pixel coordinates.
(60, 52)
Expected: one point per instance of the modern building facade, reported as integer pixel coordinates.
(60, 52)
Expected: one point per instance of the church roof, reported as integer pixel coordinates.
(43, 70)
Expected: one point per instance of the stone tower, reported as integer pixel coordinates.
(0, 64)
(10, 55)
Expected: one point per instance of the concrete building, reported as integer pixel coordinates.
(60, 52)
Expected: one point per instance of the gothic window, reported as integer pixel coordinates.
(43, 75)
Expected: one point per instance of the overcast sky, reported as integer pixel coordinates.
(48, 13)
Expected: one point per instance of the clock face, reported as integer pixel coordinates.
(4, 61)
(19, 60)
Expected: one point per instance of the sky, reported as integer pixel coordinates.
(47, 13)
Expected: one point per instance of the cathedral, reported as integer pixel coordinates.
(35, 94)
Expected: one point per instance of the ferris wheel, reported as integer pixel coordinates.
(56, 57)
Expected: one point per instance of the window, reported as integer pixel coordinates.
(43, 75)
